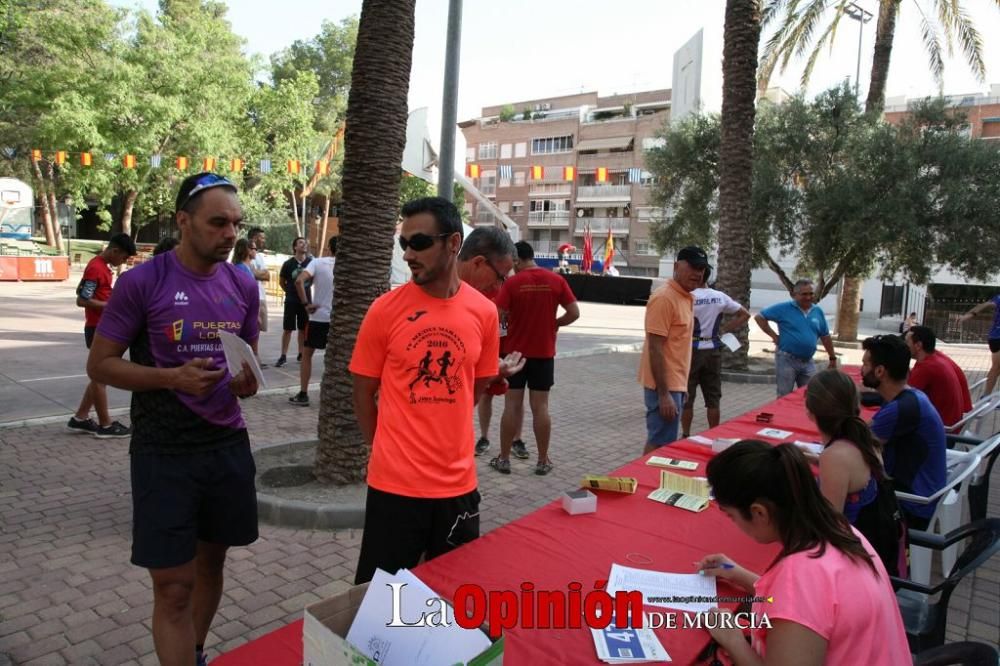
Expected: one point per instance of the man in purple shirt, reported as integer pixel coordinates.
(193, 491)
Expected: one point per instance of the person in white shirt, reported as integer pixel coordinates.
(258, 238)
(706, 357)
(320, 271)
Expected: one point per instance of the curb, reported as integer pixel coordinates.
(299, 514)
(747, 378)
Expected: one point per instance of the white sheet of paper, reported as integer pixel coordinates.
(414, 645)
(730, 341)
(810, 447)
(701, 440)
(237, 351)
(660, 585)
(774, 433)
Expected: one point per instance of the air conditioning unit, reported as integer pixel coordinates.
(546, 107)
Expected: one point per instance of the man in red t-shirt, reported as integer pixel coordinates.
(531, 300)
(92, 294)
(938, 376)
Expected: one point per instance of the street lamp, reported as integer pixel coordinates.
(862, 16)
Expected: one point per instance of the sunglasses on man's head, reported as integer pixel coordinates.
(419, 242)
(208, 181)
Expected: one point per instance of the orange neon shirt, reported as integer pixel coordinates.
(427, 352)
(670, 313)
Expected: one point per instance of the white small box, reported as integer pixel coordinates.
(721, 444)
(575, 502)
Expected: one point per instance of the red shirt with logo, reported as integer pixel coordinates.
(96, 285)
(531, 299)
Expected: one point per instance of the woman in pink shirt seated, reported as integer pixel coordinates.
(831, 601)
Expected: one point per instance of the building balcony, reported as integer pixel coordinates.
(552, 248)
(603, 193)
(550, 190)
(548, 219)
(600, 225)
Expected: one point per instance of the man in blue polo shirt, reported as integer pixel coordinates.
(800, 323)
(908, 426)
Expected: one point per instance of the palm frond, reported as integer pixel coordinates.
(971, 43)
(771, 9)
(948, 18)
(933, 46)
(810, 17)
(811, 61)
(772, 48)
(839, 14)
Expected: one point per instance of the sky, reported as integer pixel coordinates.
(514, 50)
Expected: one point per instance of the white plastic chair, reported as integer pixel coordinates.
(971, 424)
(947, 514)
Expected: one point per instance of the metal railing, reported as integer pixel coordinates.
(604, 192)
(598, 225)
(549, 219)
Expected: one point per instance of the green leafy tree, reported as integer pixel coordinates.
(799, 23)
(841, 190)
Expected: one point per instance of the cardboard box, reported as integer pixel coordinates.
(576, 502)
(327, 622)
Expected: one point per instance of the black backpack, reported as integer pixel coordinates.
(881, 521)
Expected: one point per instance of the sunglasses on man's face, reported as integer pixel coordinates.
(419, 242)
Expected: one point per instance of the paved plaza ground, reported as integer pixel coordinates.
(68, 594)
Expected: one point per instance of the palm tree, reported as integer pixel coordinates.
(794, 36)
(373, 150)
(739, 75)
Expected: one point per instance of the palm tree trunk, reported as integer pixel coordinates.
(885, 30)
(849, 309)
(375, 136)
(739, 87)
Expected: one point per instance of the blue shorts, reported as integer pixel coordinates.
(658, 431)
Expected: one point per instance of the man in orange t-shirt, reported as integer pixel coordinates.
(427, 351)
(666, 353)
(531, 300)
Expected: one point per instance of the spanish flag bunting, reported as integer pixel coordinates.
(537, 172)
(602, 174)
(569, 173)
(129, 161)
(322, 167)
(208, 164)
(36, 155)
(182, 163)
(86, 159)
(293, 166)
(472, 170)
(236, 165)
(60, 157)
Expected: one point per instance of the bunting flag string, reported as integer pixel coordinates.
(181, 162)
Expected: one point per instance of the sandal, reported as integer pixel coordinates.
(543, 468)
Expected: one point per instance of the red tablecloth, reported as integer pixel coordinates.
(552, 549)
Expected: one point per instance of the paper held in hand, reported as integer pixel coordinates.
(730, 341)
(686, 492)
(237, 351)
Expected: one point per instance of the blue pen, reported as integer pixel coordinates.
(724, 565)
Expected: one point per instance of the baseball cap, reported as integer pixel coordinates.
(694, 256)
(125, 242)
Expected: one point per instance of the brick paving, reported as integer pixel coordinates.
(68, 594)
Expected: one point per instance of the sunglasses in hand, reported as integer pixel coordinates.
(419, 242)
